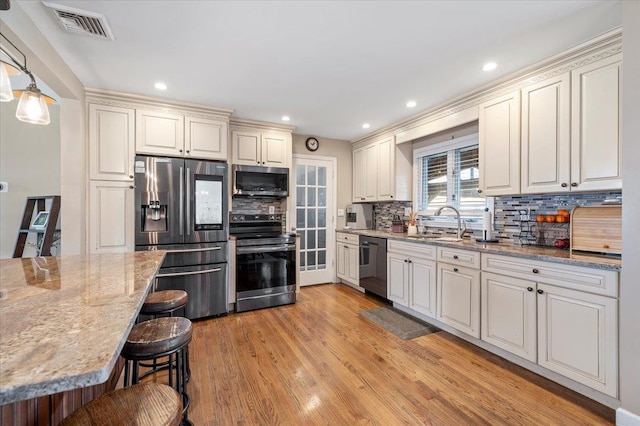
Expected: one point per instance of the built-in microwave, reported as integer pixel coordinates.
(259, 181)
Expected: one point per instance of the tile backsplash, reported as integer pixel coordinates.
(252, 205)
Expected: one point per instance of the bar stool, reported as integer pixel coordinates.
(158, 338)
(147, 404)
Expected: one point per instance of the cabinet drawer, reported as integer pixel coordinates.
(470, 259)
(423, 251)
(347, 238)
(592, 280)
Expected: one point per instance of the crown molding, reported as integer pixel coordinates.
(602, 46)
(260, 125)
(111, 98)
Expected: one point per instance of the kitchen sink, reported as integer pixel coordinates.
(435, 238)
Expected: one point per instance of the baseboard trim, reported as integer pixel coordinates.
(626, 418)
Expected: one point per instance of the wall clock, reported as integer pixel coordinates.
(312, 144)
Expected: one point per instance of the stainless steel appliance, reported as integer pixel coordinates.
(373, 265)
(360, 216)
(181, 207)
(259, 181)
(265, 261)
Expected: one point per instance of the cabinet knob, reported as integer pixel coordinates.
(188, 151)
(479, 191)
(455, 256)
(346, 246)
(263, 162)
(574, 184)
(535, 271)
(529, 288)
(390, 196)
(455, 269)
(563, 184)
(405, 261)
(179, 150)
(410, 261)
(131, 186)
(540, 291)
(130, 176)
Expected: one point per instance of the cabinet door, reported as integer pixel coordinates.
(111, 143)
(159, 133)
(342, 261)
(422, 286)
(398, 279)
(508, 314)
(371, 172)
(596, 125)
(354, 265)
(546, 142)
(577, 336)
(246, 146)
(499, 145)
(386, 170)
(111, 213)
(274, 150)
(459, 298)
(206, 139)
(359, 175)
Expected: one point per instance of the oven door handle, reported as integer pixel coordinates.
(182, 274)
(265, 249)
(195, 250)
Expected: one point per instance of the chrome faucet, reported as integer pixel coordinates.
(460, 232)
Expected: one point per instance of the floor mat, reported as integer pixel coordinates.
(398, 323)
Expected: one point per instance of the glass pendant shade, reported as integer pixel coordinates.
(32, 107)
(6, 94)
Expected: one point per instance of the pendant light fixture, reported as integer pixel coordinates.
(32, 107)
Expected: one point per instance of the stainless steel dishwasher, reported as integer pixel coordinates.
(373, 265)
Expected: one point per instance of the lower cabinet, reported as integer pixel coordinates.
(111, 227)
(347, 262)
(459, 298)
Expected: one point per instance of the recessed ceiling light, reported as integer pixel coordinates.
(285, 118)
(366, 125)
(489, 66)
(160, 86)
(411, 104)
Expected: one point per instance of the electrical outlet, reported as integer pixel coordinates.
(4, 186)
(340, 212)
(407, 211)
(272, 209)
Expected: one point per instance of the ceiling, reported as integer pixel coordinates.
(329, 65)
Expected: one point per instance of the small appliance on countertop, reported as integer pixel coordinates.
(360, 216)
(597, 229)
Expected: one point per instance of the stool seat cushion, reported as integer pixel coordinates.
(164, 301)
(152, 338)
(147, 404)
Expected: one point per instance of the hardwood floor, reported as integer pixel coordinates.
(320, 362)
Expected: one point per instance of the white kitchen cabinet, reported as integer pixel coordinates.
(397, 279)
(458, 303)
(257, 148)
(508, 314)
(348, 262)
(159, 133)
(206, 138)
(499, 145)
(411, 276)
(371, 172)
(578, 336)
(111, 143)
(545, 144)
(359, 174)
(422, 286)
(111, 213)
(596, 125)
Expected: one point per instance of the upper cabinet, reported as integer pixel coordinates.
(382, 171)
(175, 135)
(255, 147)
(499, 145)
(596, 125)
(111, 143)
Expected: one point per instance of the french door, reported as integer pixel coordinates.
(312, 212)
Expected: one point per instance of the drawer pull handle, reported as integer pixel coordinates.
(529, 288)
(540, 291)
(455, 269)
(455, 256)
(535, 271)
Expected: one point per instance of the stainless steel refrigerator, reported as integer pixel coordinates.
(182, 207)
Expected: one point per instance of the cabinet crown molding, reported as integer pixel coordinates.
(243, 124)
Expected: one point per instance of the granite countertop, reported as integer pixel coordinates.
(506, 248)
(64, 320)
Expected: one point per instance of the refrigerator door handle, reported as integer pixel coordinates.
(188, 200)
(195, 250)
(182, 274)
(181, 209)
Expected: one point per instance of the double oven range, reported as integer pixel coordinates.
(264, 270)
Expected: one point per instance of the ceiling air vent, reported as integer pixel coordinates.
(80, 21)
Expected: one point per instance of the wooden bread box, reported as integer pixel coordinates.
(597, 229)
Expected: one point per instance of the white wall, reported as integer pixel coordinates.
(30, 163)
(630, 284)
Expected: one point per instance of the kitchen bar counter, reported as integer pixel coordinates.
(504, 247)
(64, 320)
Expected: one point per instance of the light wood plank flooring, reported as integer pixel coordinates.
(320, 362)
